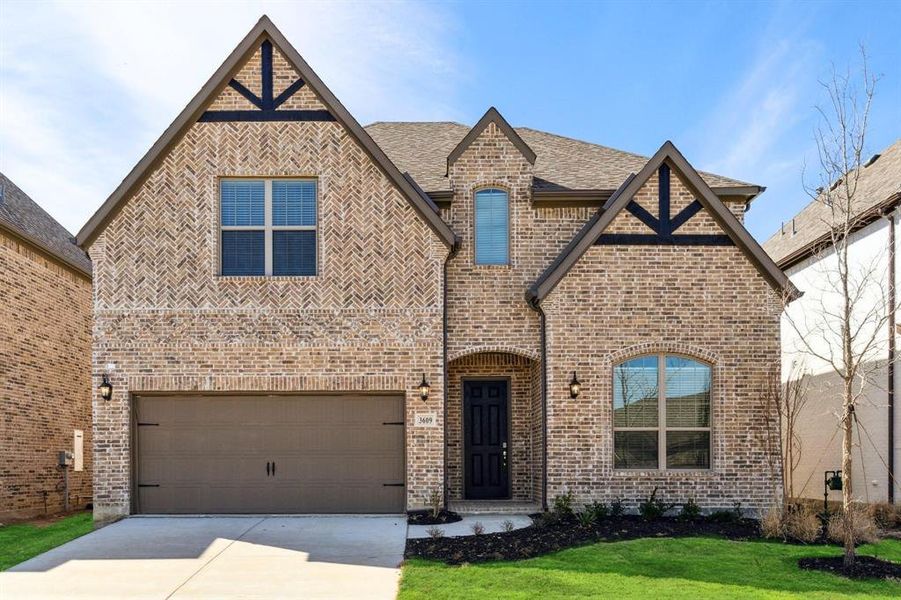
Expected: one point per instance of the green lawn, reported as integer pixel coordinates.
(651, 568)
(21, 542)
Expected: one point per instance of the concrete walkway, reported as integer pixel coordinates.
(220, 557)
(490, 523)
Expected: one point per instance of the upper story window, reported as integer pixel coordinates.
(268, 226)
(492, 227)
(661, 413)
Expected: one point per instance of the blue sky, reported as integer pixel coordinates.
(86, 88)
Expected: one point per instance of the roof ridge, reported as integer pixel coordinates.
(457, 123)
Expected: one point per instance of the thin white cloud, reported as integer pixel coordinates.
(86, 88)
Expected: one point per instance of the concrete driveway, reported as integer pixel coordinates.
(220, 557)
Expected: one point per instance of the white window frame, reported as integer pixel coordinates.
(661, 428)
(267, 228)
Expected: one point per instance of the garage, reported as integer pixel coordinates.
(269, 454)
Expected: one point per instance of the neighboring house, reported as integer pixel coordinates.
(45, 360)
(274, 283)
(802, 247)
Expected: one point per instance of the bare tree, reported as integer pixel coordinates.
(844, 325)
(784, 402)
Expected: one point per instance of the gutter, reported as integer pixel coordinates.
(542, 319)
(891, 356)
(450, 255)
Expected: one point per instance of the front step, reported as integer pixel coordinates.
(493, 507)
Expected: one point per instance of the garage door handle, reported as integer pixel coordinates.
(267, 468)
(273, 468)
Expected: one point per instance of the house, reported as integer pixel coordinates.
(298, 314)
(803, 248)
(45, 361)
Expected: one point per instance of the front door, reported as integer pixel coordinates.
(485, 440)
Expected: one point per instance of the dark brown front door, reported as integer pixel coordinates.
(485, 440)
(270, 454)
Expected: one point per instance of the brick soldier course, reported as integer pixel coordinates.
(395, 205)
(45, 359)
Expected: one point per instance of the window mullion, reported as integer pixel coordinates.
(661, 405)
(267, 222)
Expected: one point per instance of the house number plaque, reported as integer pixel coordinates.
(429, 419)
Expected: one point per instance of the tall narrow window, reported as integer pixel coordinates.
(492, 227)
(268, 227)
(661, 413)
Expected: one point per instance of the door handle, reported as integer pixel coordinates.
(273, 468)
(267, 468)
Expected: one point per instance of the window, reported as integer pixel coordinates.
(661, 413)
(492, 227)
(268, 226)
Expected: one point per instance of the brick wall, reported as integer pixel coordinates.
(370, 320)
(520, 370)
(45, 322)
(622, 301)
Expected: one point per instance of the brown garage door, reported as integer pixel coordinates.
(270, 454)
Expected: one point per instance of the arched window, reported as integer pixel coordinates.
(492, 227)
(661, 413)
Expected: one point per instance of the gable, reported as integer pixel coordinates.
(285, 88)
(646, 229)
(493, 124)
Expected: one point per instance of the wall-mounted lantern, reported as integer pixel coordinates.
(106, 388)
(424, 389)
(575, 388)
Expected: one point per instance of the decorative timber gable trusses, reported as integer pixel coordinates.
(664, 226)
(264, 37)
(267, 103)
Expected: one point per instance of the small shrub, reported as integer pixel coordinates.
(654, 508)
(862, 526)
(771, 523)
(477, 528)
(435, 500)
(599, 511)
(563, 504)
(801, 523)
(617, 508)
(722, 516)
(435, 532)
(547, 519)
(586, 518)
(690, 510)
(885, 514)
(508, 526)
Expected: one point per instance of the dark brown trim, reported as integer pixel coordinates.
(491, 115)
(750, 191)
(567, 198)
(263, 30)
(618, 201)
(43, 248)
(823, 242)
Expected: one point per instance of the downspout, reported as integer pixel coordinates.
(534, 305)
(450, 255)
(891, 357)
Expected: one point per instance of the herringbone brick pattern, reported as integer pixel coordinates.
(622, 301)
(370, 320)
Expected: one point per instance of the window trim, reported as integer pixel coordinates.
(267, 228)
(475, 233)
(662, 428)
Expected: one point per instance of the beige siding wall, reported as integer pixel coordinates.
(45, 380)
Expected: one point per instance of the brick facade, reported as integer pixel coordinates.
(45, 322)
(622, 301)
(371, 320)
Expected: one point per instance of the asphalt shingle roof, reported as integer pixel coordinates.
(878, 182)
(562, 163)
(23, 216)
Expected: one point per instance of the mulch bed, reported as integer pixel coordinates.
(424, 517)
(864, 567)
(537, 540)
